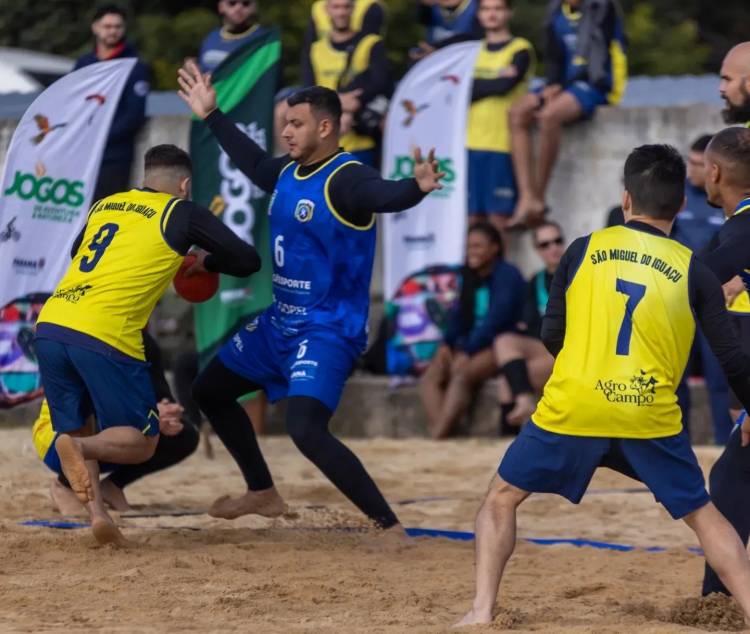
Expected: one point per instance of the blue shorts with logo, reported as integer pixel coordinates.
(314, 363)
(75, 379)
(492, 185)
(540, 461)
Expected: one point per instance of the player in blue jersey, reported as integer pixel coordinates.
(304, 346)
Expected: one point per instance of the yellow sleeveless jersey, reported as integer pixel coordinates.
(330, 69)
(629, 330)
(741, 303)
(487, 127)
(120, 271)
(323, 23)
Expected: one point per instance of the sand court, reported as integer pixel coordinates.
(318, 569)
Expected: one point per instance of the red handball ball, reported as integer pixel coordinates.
(197, 288)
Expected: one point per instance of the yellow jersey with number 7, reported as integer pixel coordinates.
(121, 269)
(629, 331)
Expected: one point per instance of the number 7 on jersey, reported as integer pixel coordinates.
(635, 293)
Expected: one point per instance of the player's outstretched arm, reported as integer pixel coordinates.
(359, 191)
(197, 91)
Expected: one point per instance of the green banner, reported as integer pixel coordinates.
(246, 83)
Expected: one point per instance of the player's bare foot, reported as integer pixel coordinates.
(267, 503)
(74, 467)
(475, 617)
(523, 409)
(65, 501)
(105, 531)
(114, 497)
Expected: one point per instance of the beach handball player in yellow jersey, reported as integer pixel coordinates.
(88, 338)
(620, 322)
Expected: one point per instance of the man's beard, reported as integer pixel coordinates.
(738, 114)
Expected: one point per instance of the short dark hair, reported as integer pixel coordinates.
(167, 156)
(701, 143)
(547, 223)
(655, 179)
(323, 102)
(489, 232)
(733, 145)
(106, 9)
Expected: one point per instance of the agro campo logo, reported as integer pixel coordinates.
(640, 391)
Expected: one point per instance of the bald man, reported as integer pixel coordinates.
(735, 84)
(727, 164)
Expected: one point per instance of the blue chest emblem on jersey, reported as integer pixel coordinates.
(304, 210)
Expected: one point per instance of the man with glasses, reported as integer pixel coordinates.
(239, 25)
(524, 362)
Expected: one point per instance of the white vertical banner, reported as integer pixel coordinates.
(429, 109)
(50, 174)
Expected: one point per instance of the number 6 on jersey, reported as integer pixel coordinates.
(278, 251)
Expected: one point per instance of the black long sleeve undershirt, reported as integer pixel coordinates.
(706, 301)
(728, 253)
(482, 88)
(357, 191)
(190, 224)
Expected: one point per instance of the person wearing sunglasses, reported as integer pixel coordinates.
(524, 362)
(239, 25)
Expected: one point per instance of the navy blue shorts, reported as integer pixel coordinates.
(315, 363)
(589, 97)
(76, 378)
(540, 461)
(492, 185)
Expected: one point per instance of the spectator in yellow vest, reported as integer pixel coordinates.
(354, 65)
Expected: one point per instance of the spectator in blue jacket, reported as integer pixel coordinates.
(108, 27)
(239, 25)
(447, 22)
(491, 302)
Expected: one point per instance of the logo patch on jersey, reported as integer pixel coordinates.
(304, 210)
(641, 391)
(73, 294)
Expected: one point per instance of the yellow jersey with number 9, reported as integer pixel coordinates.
(121, 269)
(629, 330)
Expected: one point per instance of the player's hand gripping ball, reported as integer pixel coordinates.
(193, 283)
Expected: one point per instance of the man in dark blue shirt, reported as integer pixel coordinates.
(239, 25)
(108, 27)
(695, 226)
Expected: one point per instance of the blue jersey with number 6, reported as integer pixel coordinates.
(629, 329)
(322, 264)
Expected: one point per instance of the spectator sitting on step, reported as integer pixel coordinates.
(491, 302)
(524, 362)
(586, 68)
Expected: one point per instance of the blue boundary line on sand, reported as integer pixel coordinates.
(464, 536)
